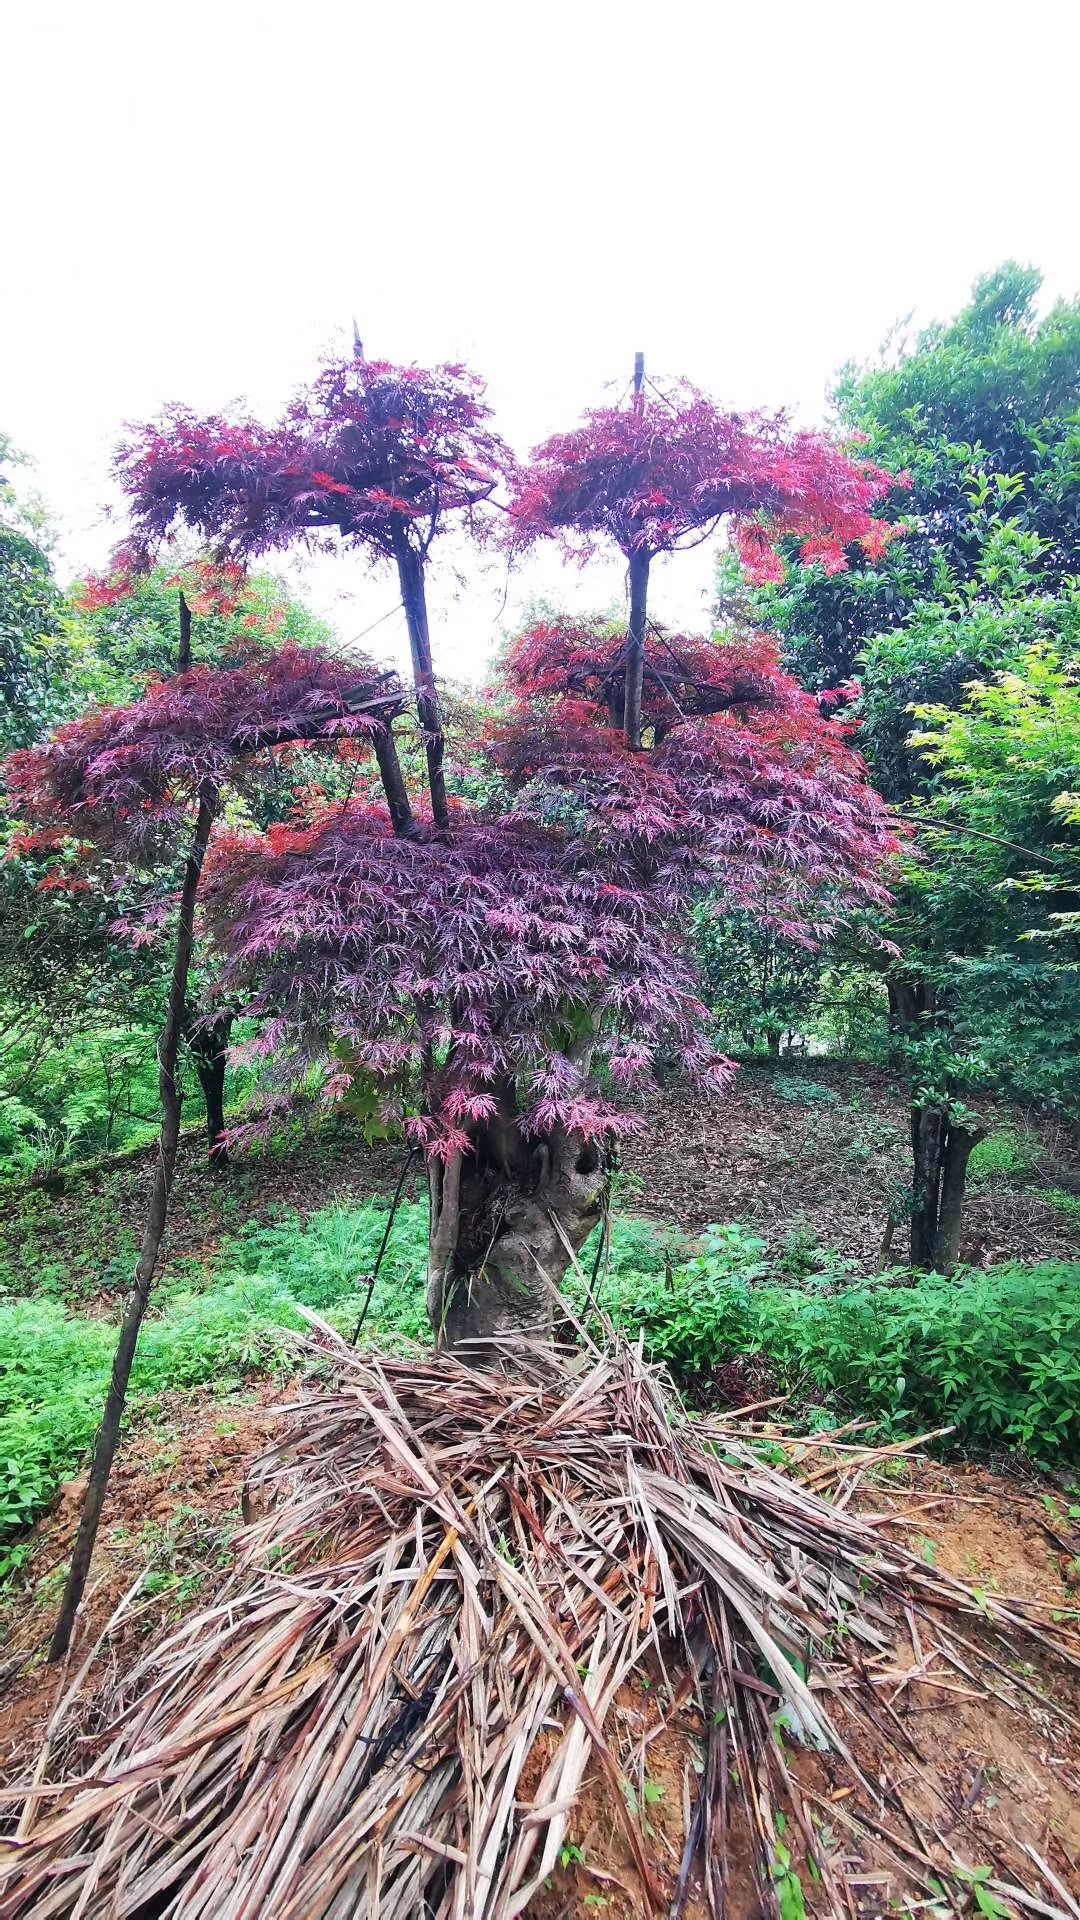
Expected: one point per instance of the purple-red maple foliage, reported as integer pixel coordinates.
(374, 454)
(368, 451)
(536, 960)
(663, 473)
(125, 778)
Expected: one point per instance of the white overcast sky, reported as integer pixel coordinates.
(198, 197)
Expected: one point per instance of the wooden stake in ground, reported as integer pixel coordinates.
(168, 1048)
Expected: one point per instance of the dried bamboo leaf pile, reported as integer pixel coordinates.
(392, 1702)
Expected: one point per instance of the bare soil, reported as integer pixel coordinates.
(829, 1167)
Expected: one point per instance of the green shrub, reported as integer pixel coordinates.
(203, 1327)
(994, 1355)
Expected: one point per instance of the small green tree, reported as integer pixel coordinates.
(30, 607)
(982, 413)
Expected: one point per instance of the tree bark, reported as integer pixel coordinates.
(157, 1213)
(410, 567)
(209, 1044)
(958, 1147)
(928, 1132)
(506, 1223)
(941, 1149)
(183, 652)
(635, 645)
(393, 781)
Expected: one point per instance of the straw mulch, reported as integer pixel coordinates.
(389, 1708)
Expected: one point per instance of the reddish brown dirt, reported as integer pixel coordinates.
(828, 1168)
(175, 1487)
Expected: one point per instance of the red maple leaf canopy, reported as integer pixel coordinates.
(125, 778)
(665, 471)
(533, 961)
(370, 453)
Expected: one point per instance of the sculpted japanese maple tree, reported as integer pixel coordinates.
(505, 986)
(375, 455)
(663, 473)
(501, 975)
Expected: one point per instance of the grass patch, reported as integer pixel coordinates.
(1062, 1202)
(1009, 1158)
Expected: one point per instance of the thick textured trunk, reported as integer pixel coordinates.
(929, 1127)
(410, 568)
(635, 645)
(157, 1213)
(958, 1146)
(506, 1223)
(941, 1149)
(209, 1043)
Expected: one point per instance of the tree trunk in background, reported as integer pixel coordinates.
(958, 1146)
(183, 651)
(940, 1147)
(209, 1043)
(929, 1126)
(410, 568)
(393, 781)
(157, 1213)
(506, 1222)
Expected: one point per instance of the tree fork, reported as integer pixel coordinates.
(157, 1213)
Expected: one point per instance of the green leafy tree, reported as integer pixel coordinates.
(981, 413)
(30, 608)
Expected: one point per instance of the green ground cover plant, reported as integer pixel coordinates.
(995, 1354)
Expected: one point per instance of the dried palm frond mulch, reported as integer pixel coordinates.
(391, 1705)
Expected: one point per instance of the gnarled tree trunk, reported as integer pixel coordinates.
(209, 1044)
(940, 1146)
(507, 1220)
(941, 1149)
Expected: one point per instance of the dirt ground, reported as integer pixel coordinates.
(992, 1770)
(827, 1165)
